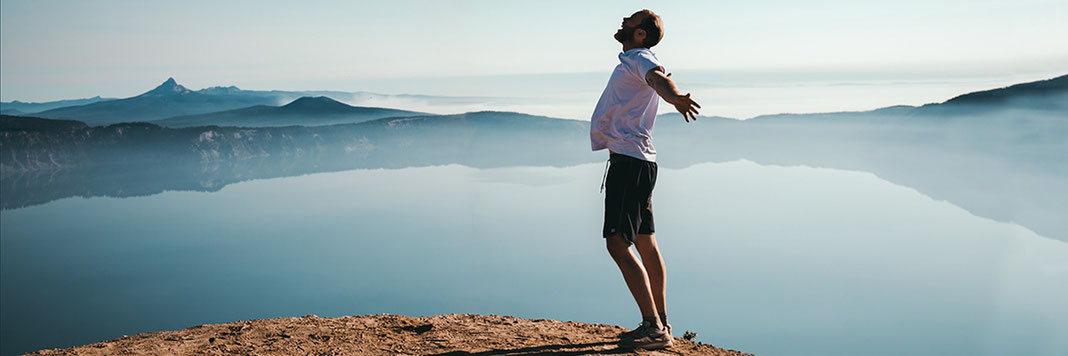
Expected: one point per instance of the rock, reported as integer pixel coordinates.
(450, 334)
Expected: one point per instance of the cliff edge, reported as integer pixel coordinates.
(386, 334)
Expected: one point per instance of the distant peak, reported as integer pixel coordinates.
(314, 99)
(216, 90)
(316, 102)
(169, 87)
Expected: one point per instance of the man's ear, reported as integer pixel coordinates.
(639, 35)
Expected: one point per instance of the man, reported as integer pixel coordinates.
(623, 123)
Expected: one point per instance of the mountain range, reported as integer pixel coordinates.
(1001, 153)
(171, 99)
(167, 100)
(305, 111)
(1048, 96)
(16, 107)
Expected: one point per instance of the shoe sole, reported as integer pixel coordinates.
(659, 344)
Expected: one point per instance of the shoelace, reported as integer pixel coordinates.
(666, 327)
(636, 331)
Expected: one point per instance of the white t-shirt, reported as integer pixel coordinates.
(623, 119)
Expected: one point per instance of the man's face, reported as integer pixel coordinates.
(630, 24)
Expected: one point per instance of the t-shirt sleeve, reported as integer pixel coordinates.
(644, 62)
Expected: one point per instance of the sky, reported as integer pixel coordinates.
(53, 50)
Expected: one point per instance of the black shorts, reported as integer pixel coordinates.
(628, 200)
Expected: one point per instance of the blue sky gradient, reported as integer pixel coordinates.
(65, 49)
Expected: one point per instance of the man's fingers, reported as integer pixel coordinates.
(688, 110)
(695, 103)
(683, 112)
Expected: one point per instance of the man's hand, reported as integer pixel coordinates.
(686, 106)
(665, 87)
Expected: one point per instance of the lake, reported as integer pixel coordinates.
(771, 260)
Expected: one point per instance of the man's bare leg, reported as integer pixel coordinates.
(633, 274)
(654, 268)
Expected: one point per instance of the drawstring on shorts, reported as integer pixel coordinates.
(605, 178)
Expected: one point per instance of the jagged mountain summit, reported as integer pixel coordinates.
(166, 100)
(218, 90)
(168, 88)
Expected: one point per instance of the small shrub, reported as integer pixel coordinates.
(689, 335)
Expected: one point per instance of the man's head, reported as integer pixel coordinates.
(642, 29)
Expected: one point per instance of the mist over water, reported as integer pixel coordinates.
(734, 94)
(772, 260)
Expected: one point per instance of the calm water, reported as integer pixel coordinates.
(765, 259)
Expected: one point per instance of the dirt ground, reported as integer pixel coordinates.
(386, 334)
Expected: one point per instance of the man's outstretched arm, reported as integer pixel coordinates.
(665, 87)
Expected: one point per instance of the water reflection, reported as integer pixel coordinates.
(770, 260)
(1007, 185)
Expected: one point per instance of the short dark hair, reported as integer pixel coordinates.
(654, 29)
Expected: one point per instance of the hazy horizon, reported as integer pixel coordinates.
(738, 94)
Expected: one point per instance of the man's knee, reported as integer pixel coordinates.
(617, 244)
(645, 243)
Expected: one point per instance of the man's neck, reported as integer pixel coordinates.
(630, 46)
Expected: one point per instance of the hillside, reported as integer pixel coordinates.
(481, 138)
(305, 111)
(385, 334)
(14, 107)
(1051, 88)
(1042, 97)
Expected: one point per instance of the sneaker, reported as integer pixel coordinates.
(648, 337)
(630, 334)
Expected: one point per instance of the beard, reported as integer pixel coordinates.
(625, 34)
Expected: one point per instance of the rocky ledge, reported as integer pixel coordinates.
(386, 334)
